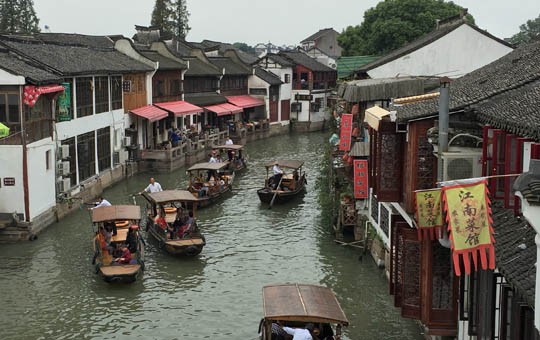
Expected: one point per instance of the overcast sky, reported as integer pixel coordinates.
(253, 21)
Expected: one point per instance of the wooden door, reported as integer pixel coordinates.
(285, 109)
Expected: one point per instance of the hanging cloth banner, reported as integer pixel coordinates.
(429, 215)
(360, 178)
(468, 214)
(346, 131)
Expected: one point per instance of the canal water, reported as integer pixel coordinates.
(48, 289)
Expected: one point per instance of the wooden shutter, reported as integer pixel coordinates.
(389, 162)
(411, 300)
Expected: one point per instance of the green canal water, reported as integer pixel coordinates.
(48, 289)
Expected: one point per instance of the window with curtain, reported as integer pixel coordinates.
(116, 92)
(104, 148)
(85, 105)
(101, 88)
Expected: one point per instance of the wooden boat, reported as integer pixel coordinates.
(125, 217)
(297, 305)
(236, 155)
(208, 191)
(173, 205)
(292, 183)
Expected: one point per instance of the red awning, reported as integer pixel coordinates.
(32, 93)
(220, 110)
(245, 101)
(150, 112)
(232, 108)
(179, 108)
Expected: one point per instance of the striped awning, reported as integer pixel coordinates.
(224, 109)
(179, 108)
(245, 101)
(150, 112)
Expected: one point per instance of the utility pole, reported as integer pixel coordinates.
(444, 100)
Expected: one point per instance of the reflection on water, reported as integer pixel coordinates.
(49, 289)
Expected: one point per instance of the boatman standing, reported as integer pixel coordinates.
(278, 173)
(153, 186)
(229, 141)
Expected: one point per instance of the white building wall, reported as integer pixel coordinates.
(7, 78)
(304, 115)
(285, 90)
(456, 54)
(41, 181)
(11, 197)
(256, 82)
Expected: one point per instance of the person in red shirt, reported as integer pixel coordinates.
(125, 258)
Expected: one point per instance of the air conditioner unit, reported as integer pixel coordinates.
(63, 168)
(126, 141)
(460, 165)
(66, 184)
(63, 152)
(63, 184)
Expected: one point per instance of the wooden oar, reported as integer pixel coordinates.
(275, 194)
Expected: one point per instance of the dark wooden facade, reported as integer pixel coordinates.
(167, 86)
(134, 90)
(200, 84)
(306, 79)
(234, 85)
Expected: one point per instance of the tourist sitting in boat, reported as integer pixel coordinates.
(213, 158)
(132, 239)
(187, 228)
(160, 219)
(125, 257)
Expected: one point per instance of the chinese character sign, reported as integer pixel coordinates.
(429, 215)
(346, 131)
(64, 104)
(360, 178)
(468, 215)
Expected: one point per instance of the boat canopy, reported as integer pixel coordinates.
(292, 164)
(209, 166)
(302, 302)
(116, 212)
(167, 196)
(229, 147)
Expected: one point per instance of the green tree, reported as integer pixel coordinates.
(161, 17)
(18, 16)
(394, 23)
(527, 32)
(243, 47)
(171, 16)
(181, 18)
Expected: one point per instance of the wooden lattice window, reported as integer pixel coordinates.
(411, 274)
(85, 101)
(375, 209)
(384, 224)
(425, 170)
(116, 92)
(101, 89)
(388, 164)
(104, 148)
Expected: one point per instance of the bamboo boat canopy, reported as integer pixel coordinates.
(116, 212)
(301, 302)
(292, 164)
(208, 166)
(167, 196)
(229, 147)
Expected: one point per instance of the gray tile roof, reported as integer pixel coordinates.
(423, 41)
(516, 111)
(319, 34)
(515, 252)
(164, 62)
(231, 68)
(277, 59)
(71, 60)
(92, 41)
(244, 56)
(198, 67)
(268, 77)
(180, 48)
(515, 69)
(34, 75)
(299, 58)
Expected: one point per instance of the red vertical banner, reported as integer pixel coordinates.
(346, 132)
(360, 178)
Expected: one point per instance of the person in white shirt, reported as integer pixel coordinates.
(300, 333)
(278, 173)
(213, 159)
(101, 203)
(229, 141)
(153, 186)
(276, 169)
